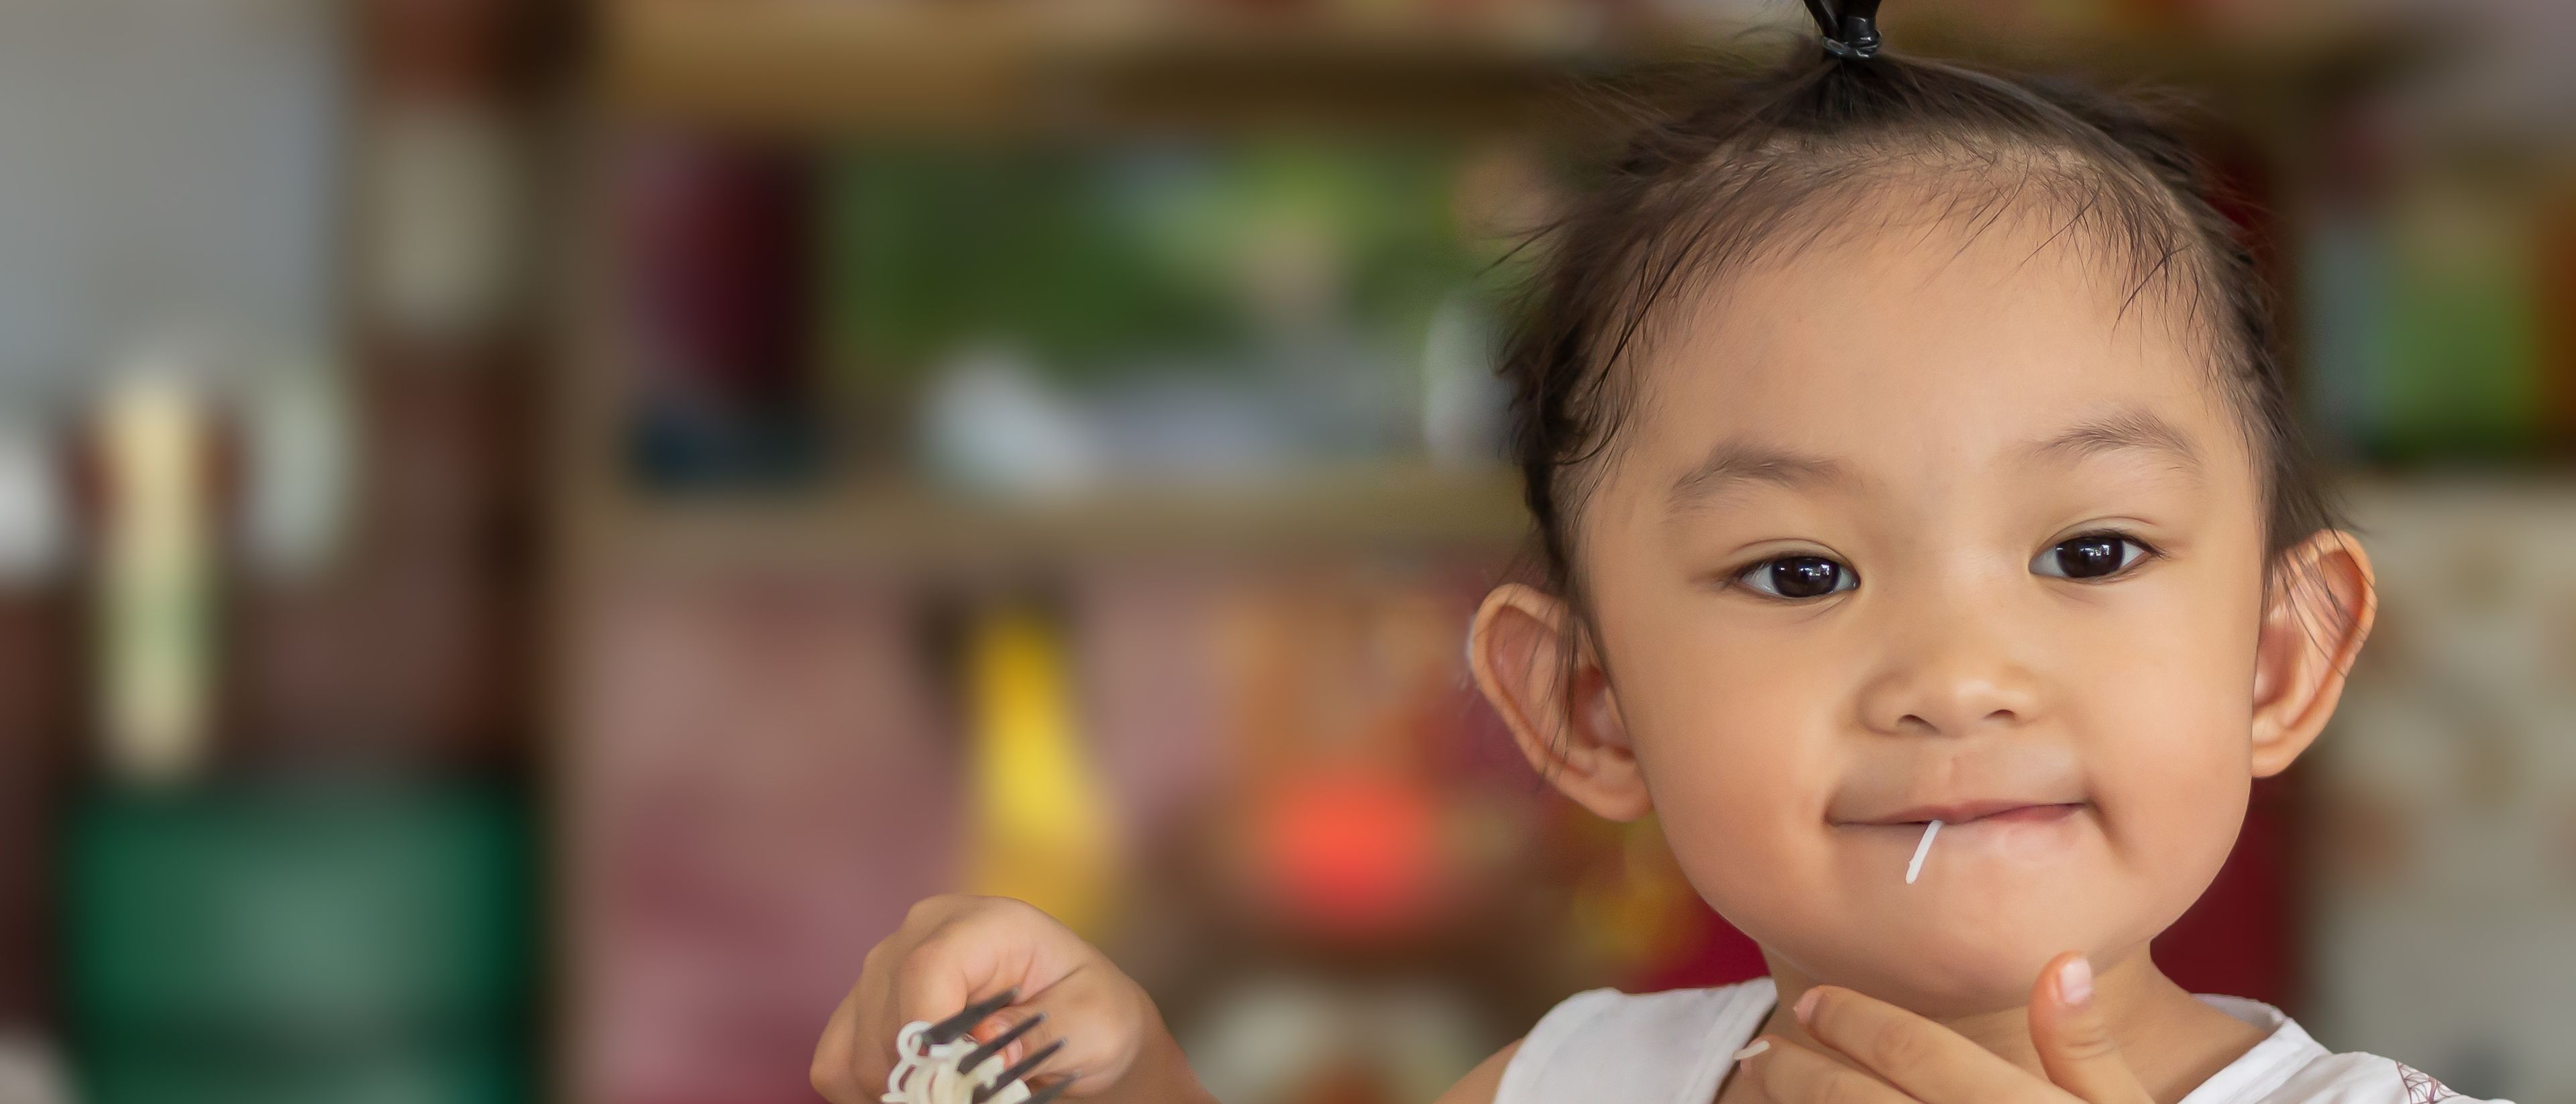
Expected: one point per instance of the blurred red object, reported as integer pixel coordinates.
(1354, 853)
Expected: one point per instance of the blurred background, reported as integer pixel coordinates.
(530, 532)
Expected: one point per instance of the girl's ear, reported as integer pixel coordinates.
(2321, 603)
(1564, 715)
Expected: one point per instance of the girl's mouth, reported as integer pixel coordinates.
(1960, 814)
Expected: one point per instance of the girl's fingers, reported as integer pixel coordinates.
(1791, 1074)
(1098, 1046)
(841, 1071)
(961, 957)
(1931, 1063)
(2075, 1045)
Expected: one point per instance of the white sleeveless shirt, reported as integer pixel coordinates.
(1677, 1047)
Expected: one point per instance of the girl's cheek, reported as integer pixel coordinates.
(1734, 731)
(1737, 772)
(2166, 750)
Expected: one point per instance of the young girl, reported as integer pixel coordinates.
(1929, 549)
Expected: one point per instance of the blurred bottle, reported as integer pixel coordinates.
(154, 601)
(1041, 828)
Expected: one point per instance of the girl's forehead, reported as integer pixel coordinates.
(1927, 349)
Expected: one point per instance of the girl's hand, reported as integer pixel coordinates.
(1917, 1061)
(953, 951)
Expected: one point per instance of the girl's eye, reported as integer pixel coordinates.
(1798, 577)
(2091, 556)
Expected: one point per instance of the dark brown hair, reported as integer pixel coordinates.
(1763, 163)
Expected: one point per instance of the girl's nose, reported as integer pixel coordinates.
(1955, 683)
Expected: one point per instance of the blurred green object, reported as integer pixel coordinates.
(2464, 336)
(1091, 261)
(930, 250)
(412, 1076)
(313, 941)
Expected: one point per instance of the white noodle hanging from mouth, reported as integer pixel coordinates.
(1921, 849)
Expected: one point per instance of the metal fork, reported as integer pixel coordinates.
(950, 1029)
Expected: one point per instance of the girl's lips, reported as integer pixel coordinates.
(1973, 812)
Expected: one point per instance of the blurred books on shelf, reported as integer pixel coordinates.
(992, 353)
(2429, 338)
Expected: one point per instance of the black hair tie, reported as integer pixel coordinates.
(1851, 33)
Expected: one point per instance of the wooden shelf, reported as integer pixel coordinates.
(901, 527)
(793, 66)
(820, 66)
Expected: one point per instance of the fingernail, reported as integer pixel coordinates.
(1750, 1049)
(1806, 1004)
(2075, 980)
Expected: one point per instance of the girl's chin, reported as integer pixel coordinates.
(1947, 998)
(1961, 975)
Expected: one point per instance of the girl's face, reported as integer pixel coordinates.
(1933, 526)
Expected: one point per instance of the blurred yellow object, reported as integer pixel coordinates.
(1042, 831)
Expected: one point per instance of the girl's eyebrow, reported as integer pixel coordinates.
(1733, 463)
(2130, 429)
(1730, 464)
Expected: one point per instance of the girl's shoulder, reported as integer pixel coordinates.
(2291, 1067)
(1652, 1048)
(2357, 1078)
